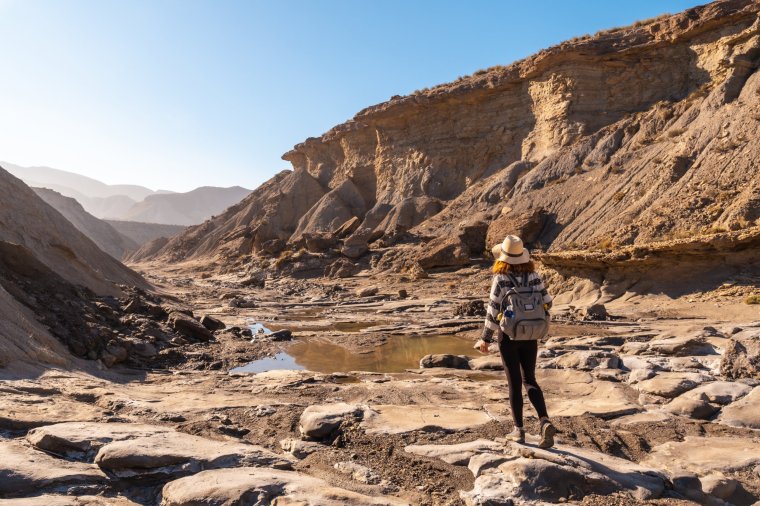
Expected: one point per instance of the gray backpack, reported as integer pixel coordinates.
(523, 317)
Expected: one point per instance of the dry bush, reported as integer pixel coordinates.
(675, 132)
(618, 197)
(715, 229)
(752, 299)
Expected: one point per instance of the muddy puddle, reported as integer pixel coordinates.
(398, 354)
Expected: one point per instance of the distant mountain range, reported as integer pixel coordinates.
(132, 202)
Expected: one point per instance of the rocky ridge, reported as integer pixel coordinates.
(637, 136)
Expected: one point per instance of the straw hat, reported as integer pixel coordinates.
(511, 251)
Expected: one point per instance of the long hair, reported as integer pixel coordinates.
(500, 267)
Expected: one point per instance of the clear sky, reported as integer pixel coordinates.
(175, 94)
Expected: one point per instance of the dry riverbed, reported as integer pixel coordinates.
(650, 410)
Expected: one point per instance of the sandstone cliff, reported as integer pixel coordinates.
(634, 136)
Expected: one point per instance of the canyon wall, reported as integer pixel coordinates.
(634, 136)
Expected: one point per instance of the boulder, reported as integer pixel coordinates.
(82, 440)
(681, 346)
(489, 363)
(744, 412)
(741, 355)
(189, 327)
(444, 251)
(262, 486)
(341, 268)
(671, 384)
(368, 291)
(705, 455)
(445, 360)
(485, 461)
(720, 392)
(175, 454)
(718, 485)
(348, 228)
(697, 408)
(529, 474)
(212, 323)
(323, 420)
(26, 470)
(594, 312)
(299, 448)
(473, 235)
(527, 226)
(357, 244)
(280, 335)
(456, 454)
(255, 280)
(320, 242)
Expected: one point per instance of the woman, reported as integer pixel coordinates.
(518, 357)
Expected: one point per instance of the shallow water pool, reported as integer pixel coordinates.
(398, 354)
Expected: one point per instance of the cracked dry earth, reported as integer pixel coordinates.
(649, 410)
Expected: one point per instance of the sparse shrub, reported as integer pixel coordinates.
(675, 132)
(752, 299)
(284, 257)
(715, 229)
(616, 169)
(604, 243)
(618, 197)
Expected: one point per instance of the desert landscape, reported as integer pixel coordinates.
(314, 343)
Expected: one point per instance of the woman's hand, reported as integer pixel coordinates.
(484, 346)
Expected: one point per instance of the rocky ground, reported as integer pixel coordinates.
(656, 402)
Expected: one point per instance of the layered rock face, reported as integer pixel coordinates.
(630, 137)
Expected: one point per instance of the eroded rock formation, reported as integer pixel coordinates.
(634, 136)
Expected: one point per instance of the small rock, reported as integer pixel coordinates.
(358, 472)
(594, 312)
(280, 335)
(212, 323)
(264, 411)
(719, 486)
(298, 448)
(322, 420)
(638, 375)
(188, 327)
(445, 360)
(403, 294)
(367, 292)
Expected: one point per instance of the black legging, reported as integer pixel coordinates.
(517, 357)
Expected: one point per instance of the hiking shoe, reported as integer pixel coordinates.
(517, 435)
(548, 432)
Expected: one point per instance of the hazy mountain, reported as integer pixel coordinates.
(132, 202)
(188, 208)
(74, 185)
(103, 234)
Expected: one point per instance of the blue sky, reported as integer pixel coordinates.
(176, 94)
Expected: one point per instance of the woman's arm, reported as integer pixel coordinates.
(491, 325)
